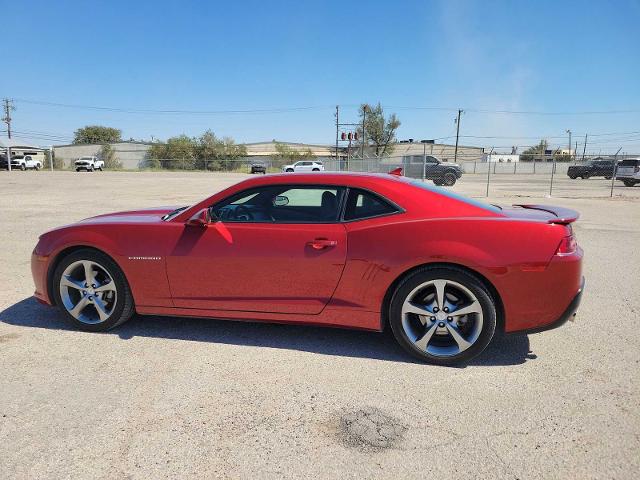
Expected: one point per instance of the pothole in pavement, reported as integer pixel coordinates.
(369, 428)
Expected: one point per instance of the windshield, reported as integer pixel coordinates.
(455, 196)
(171, 215)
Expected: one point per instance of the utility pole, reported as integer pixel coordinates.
(455, 154)
(364, 118)
(615, 170)
(337, 126)
(584, 149)
(8, 108)
(569, 132)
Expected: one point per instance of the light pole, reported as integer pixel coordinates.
(569, 132)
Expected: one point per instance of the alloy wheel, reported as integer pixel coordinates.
(88, 292)
(442, 318)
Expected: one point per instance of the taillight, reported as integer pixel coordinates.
(568, 246)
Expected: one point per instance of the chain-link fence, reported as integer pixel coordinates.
(591, 176)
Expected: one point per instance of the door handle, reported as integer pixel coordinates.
(321, 243)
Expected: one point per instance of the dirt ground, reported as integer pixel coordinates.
(189, 398)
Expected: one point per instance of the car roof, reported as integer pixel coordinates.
(316, 178)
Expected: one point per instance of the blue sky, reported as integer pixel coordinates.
(482, 56)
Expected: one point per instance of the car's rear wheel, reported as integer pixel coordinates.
(23, 167)
(629, 183)
(315, 170)
(449, 179)
(442, 315)
(572, 177)
(584, 177)
(91, 291)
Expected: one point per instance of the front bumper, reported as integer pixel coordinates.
(567, 315)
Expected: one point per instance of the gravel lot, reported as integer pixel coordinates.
(179, 398)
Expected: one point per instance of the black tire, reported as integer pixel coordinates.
(77, 169)
(629, 183)
(23, 167)
(100, 168)
(37, 167)
(572, 177)
(607, 178)
(584, 177)
(290, 170)
(90, 169)
(449, 179)
(315, 169)
(462, 277)
(437, 181)
(124, 307)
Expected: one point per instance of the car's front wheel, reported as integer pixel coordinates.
(442, 315)
(629, 183)
(289, 170)
(91, 291)
(449, 179)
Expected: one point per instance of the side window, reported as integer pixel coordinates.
(362, 204)
(282, 204)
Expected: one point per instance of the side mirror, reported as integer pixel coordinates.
(200, 219)
(280, 201)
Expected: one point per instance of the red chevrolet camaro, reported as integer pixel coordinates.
(348, 250)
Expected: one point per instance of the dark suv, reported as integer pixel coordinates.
(441, 173)
(258, 167)
(592, 168)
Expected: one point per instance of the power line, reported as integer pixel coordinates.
(174, 111)
(316, 107)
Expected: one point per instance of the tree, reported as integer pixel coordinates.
(218, 153)
(286, 154)
(204, 152)
(380, 131)
(534, 153)
(96, 134)
(108, 156)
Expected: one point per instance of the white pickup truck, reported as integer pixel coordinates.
(25, 162)
(89, 164)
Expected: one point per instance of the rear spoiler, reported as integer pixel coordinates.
(564, 216)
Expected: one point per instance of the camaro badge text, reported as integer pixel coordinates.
(145, 258)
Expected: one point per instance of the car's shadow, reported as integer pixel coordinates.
(507, 350)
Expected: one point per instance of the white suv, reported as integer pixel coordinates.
(629, 172)
(304, 166)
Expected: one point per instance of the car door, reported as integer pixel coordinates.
(286, 257)
(431, 169)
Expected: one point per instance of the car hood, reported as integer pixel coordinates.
(450, 164)
(131, 216)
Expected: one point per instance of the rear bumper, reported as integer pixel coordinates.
(567, 315)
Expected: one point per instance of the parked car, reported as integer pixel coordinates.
(441, 173)
(592, 168)
(445, 272)
(22, 162)
(304, 166)
(89, 164)
(628, 171)
(258, 166)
